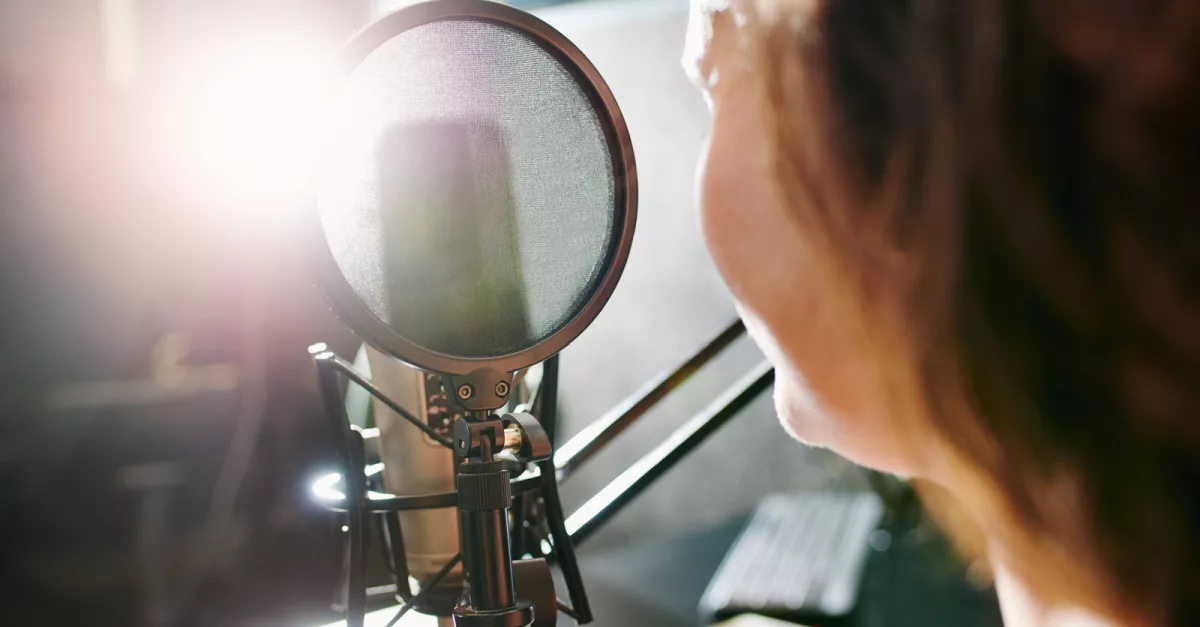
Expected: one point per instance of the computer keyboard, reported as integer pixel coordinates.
(800, 558)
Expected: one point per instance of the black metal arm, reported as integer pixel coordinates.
(570, 456)
(629, 484)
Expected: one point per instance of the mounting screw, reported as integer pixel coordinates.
(465, 391)
(502, 388)
(462, 444)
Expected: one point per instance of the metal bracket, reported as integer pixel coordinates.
(483, 390)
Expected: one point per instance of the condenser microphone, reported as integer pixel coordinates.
(475, 207)
(445, 186)
(413, 464)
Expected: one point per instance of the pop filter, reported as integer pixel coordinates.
(476, 202)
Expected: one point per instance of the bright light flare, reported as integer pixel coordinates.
(252, 122)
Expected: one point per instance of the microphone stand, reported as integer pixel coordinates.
(484, 496)
(501, 592)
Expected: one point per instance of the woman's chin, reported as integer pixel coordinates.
(801, 414)
(803, 418)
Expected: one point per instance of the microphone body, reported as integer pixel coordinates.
(413, 465)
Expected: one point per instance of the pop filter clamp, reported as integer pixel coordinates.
(499, 592)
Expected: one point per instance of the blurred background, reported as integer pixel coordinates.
(158, 417)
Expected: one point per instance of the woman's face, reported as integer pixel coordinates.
(826, 393)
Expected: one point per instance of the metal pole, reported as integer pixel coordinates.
(355, 482)
(629, 484)
(571, 455)
(484, 495)
(487, 559)
(545, 406)
(564, 548)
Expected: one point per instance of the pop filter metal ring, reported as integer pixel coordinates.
(350, 306)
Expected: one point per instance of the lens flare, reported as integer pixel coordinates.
(251, 122)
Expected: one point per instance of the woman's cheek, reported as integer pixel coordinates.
(747, 236)
(740, 217)
(824, 394)
(718, 223)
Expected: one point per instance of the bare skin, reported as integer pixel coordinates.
(827, 392)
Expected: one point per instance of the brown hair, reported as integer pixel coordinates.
(1009, 188)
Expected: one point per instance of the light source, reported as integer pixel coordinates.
(250, 121)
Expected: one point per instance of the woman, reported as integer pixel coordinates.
(965, 233)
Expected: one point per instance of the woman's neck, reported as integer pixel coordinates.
(1022, 608)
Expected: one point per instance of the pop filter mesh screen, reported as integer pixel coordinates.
(467, 193)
